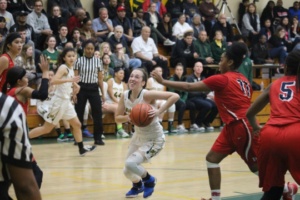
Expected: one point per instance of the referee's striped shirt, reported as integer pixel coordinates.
(88, 69)
(15, 148)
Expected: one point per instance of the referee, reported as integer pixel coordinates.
(89, 68)
(15, 151)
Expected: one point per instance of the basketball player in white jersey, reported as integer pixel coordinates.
(115, 88)
(61, 106)
(147, 141)
(152, 84)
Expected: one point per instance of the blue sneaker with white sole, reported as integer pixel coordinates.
(149, 187)
(134, 191)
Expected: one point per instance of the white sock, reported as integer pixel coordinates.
(215, 194)
(285, 188)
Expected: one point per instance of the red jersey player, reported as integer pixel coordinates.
(279, 148)
(233, 98)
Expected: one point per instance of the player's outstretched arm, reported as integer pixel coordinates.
(120, 116)
(179, 85)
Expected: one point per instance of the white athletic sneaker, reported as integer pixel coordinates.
(181, 129)
(210, 128)
(121, 133)
(168, 42)
(292, 191)
(195, 127)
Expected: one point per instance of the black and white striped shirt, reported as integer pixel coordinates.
(88, 69)
(15, 148)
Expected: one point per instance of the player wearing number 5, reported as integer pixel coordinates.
(279, 149)
(232, 96)
(147, 141)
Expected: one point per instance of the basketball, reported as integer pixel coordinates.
(139, 115)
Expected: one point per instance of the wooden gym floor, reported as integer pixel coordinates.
(180, 170)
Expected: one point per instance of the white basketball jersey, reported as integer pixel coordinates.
(118, 90)
(154, 129)
(155, 85)
(65, 90)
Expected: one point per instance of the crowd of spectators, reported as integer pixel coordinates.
(129, 37)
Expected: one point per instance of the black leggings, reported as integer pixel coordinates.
(274, 193)
(181, 106)
(90, 92)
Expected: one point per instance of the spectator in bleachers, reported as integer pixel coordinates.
(181, 105)
(87, 32)
(260, 53)
(21, 18)
(197, 25)
(251, 24)
(77, 41)
(174, 7)
(152, 19)
(40, 24)
(267, 29)
(118, 37)
(218, 46)
(115, 88)
(294, 10)
(144, 48)
(112, 9)
(184, 51)
(120, 57)
(56, 19)
(279, 11)
(189, 9)
(223, 25)
(76, 20)
(165, 27)
(295, 28)
(209, 11)
(51, 53)
(138, 23)
(7, 15)
(246, 67)
(203, 48)
(102, 25)
(207, 109)
(241, 11)
(104, 48)
(68, 7)
(128, 8)
(107, 72)
(268, 12)
(61, 38)
(122, 20)
(180, 27)
(152, 84)
(22, 32)
(26, 60)
(15, 6)
(97, 4)
(159, 6)
(278, 45)
(287, 27)
(3, 29)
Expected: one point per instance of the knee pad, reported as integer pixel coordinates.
(212, 165)
(131, 176)
(133, 162)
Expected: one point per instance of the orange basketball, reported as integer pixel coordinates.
(139, 115)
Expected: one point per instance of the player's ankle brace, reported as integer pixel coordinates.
(212, 165)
